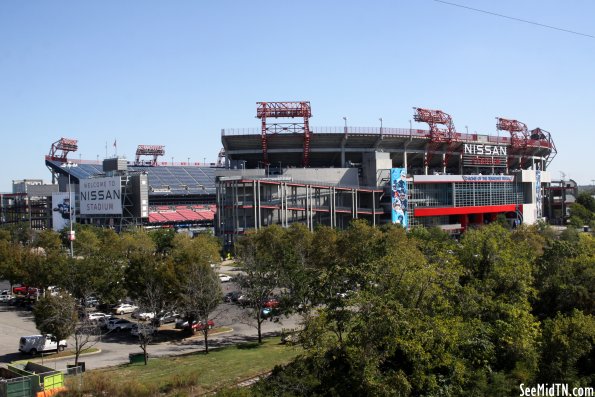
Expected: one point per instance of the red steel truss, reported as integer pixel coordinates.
(276, 110)
(149, 150)
(519, 137)
(437, 136)
(433, 118)
(64, 146)
(519, 133)
(543, 135)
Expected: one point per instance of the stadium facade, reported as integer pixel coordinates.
(119, 193)
(288, 172)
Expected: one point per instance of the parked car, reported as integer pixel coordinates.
(25, 290)
(5, 298)
(272, 303)
(96, 316)
(181, 323)
(244, 300)
(119, 325)
(196, 325)
(224, 278)
(200, 325)
(232, 296)
(142, 315)
(34, 344)
(91, 301)
(104, 321)
(165, 318)
(123, 308)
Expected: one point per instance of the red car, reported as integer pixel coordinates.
(271, 303)
(200, 326)
(24, 290)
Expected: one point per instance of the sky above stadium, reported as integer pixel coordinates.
(175, 73)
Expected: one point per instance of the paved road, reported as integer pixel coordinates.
(115, 347)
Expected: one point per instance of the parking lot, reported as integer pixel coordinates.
(115, 346)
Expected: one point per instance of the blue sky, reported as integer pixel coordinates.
(175, 73)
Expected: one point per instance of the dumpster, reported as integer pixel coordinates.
(46, 381)
(13, 384)
(137, 358)
(72, 369)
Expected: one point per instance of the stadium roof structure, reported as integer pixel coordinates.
(163, 180)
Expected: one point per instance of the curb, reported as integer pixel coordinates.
(50, 359)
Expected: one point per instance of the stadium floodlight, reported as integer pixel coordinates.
(69, 165)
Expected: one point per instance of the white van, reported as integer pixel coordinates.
(40, 343)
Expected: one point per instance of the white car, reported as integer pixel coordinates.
(6, 297)
(123, 308)
(224, 278)
(34, 344)
(144, 316)
(119, 325)
(96, 316)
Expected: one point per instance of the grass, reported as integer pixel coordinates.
(189, 375)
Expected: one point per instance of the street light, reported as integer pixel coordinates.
(69, 165)
(380, 124)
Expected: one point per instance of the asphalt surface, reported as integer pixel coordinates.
(115, 347)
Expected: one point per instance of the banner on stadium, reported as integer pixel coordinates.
(538, 196)
(62, 210)
(101, 196)
(399, 196)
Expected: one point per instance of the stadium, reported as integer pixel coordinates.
(118, 193)
(289, 172)
(286, 171)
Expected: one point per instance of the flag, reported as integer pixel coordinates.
(115, 143)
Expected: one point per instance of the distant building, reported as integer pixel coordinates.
(28, 202)
(560, 195)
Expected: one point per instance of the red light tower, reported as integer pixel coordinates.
(519, 136)
(302, 109)
(433, 118)
(437, 136)
(150, 150)
(65, 146)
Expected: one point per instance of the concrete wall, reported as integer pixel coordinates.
(240, 172)
(343, 176)
(373, 165)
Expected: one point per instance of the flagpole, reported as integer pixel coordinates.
(105, 149)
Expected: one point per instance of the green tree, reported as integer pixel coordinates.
(202, 295)
(56, 315)
(568, 349)
(582, 215)
(163, 239)
(197, 287)
(11, 262)
(565, 279)
(260, 255)
(586, 200)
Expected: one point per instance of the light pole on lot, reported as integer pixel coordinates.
(69, 165)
